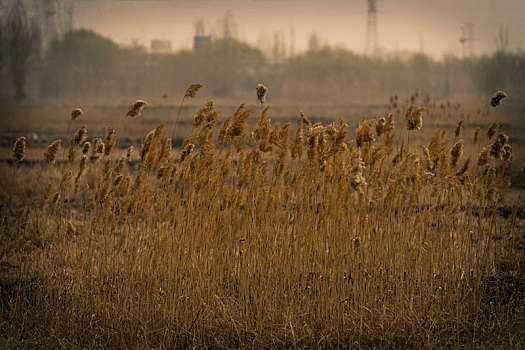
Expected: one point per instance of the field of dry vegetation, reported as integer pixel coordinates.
(406, 231)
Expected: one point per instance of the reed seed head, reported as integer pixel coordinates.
(191, 92)
(79, 135)
(457, 132)
(502, 138)
(357, 180)
(75, 142)
(414, 118)
(81, 167)
(496, 147)
(111, 140)
(99, 146)
(238, 124)
(52, 151)
(186, 151)
(120, 165)
(146, 144)
(97, 150)
(456, 152)
(86, 147)
(508, 154)
(380, 126)
(223, 131)
(129, 153)
(400, 154)
(426, 159)
(484, 156)
(297, 143)
(390, 123)
(496, 98)
(493, 129)
(464, 168)
(76, 113)
(305, 120)
(476, 135)
(364, 133)
(136, 108)
(207, 114)
(261, 92)
(83, 163)
(19, 149)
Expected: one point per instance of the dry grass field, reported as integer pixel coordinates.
(403, 228)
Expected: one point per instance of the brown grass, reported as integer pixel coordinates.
(268, 240)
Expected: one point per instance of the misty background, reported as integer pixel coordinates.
(330, 51)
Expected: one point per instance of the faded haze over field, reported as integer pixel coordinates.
(304, 50)
(401, 25)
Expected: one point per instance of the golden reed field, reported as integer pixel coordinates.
(405, 232)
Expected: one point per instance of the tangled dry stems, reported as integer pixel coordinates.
(258, 237)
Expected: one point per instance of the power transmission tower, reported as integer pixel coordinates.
(371, 28)
(199, 28)
(229, 25)
(467, 40)
(292, 41)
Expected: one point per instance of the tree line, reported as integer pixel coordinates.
(84, 64)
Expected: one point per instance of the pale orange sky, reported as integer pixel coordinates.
(401, 24)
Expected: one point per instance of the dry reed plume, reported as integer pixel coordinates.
(261, 92)
(19, 149)
(191, 92)
(52, 150)
(76, 113)
(496, 98)
(75, 141)
(136, 108)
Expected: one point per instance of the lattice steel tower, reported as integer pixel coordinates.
(467, 40)
(371, 28)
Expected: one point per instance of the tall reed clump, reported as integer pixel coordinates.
(257, 236)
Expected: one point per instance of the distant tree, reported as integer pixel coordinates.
(21, 41)
(502, 40)
(3, 51)
(225, 66)
(84, 62)
(313, 42)
(501, 71)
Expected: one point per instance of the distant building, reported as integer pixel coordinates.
(137, 45)
(160, 46)
(201, 41)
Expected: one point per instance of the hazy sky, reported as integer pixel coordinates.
(401, 24)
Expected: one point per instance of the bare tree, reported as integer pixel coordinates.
(20, 43)
(3, 58)
(502, 41)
